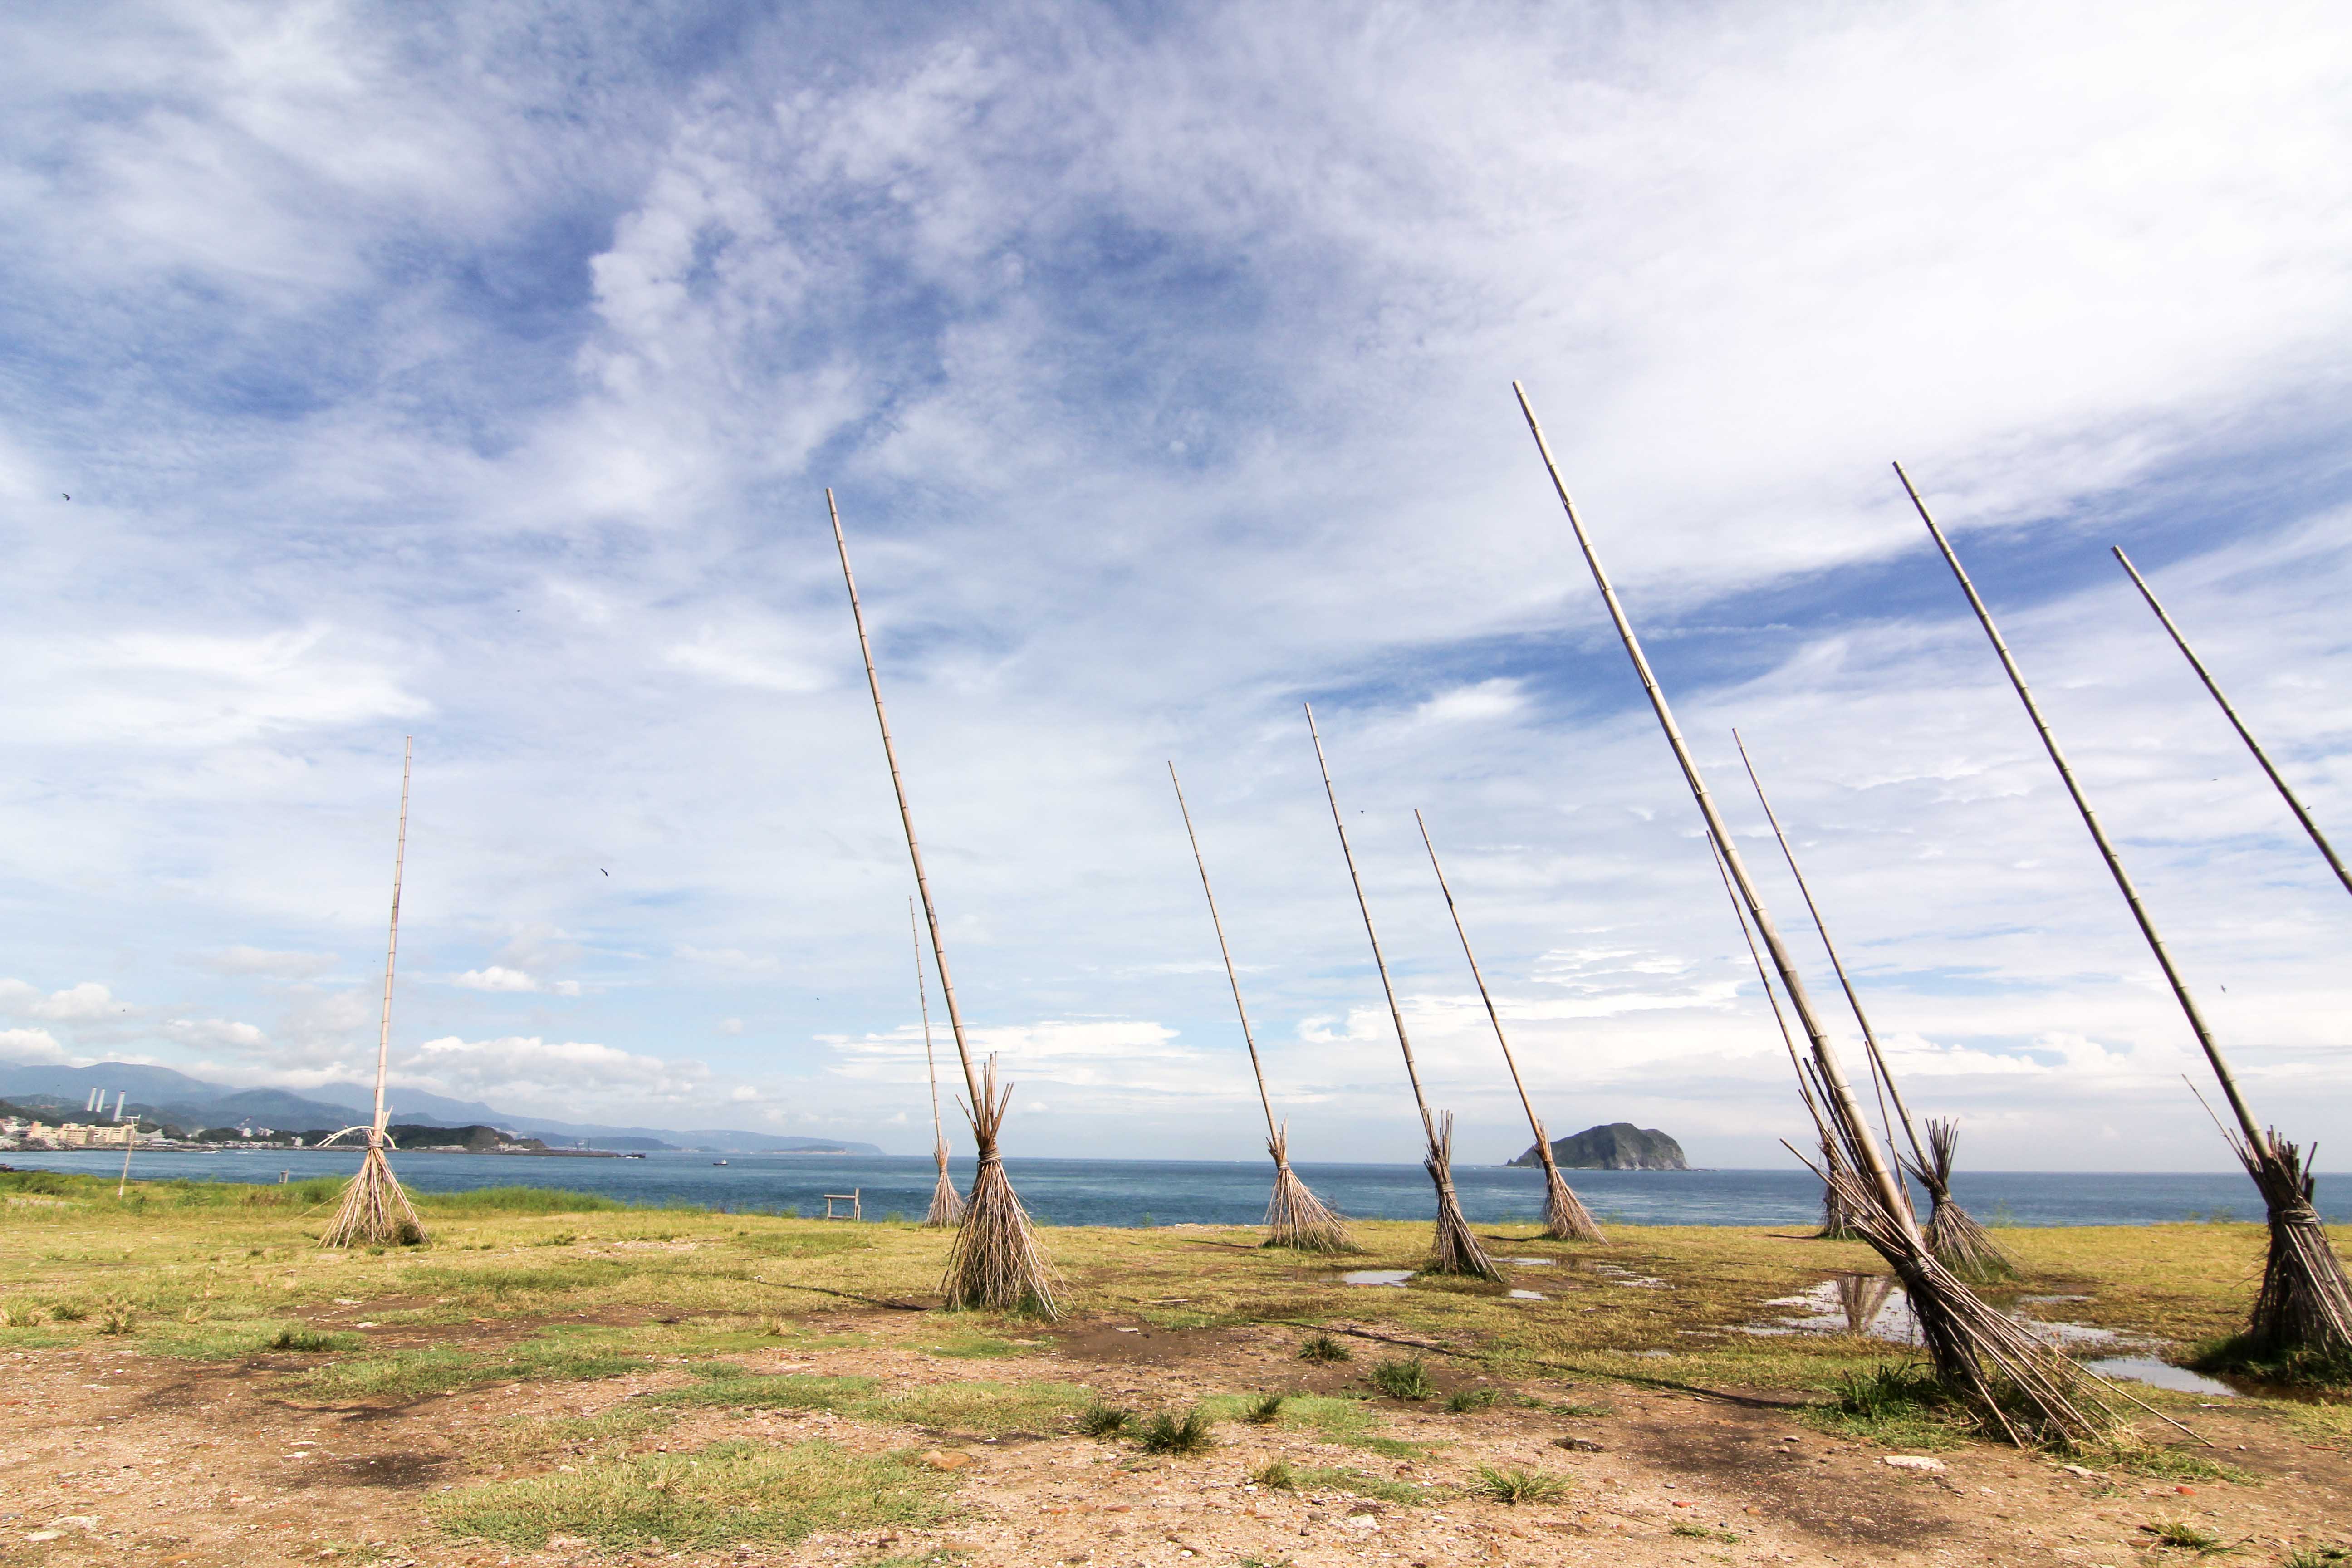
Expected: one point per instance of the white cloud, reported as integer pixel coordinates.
(32, 1046)
(495, 978)
(214, 1034)
(87, 1000)
(242, 960)
(527, 1071)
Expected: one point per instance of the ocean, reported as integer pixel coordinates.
(1174, 1192)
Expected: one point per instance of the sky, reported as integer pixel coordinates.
(477, 373)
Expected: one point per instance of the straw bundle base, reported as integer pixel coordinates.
(947, 1204)
(994, 1261)
(374, 1212)
(1454, 1250)
(2305, 1307)
(1958, 1242)
(1295, 1216)
(2012, 1381)
(1837, 1223)
(1565, 1217)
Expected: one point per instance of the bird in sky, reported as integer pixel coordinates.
(602, 869)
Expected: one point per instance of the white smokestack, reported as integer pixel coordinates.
(119, 1096)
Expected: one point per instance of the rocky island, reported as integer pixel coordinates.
(1619, 1146)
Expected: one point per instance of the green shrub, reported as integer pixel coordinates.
(1323, 1348)
(1263, 1411)
(1464, 1401)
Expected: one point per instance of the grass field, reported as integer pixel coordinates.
(716, 1384)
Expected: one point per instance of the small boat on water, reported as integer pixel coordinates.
(718, 1161)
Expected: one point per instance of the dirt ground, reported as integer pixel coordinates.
(116, 1457)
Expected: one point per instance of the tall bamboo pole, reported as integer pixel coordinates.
(1565, 1217)
(1295, 1216)
(392, 945)
(1875, 1164)
(2301, 815)
(996, 1261)
(2306, 1305)
(2106, 849)
(1456, 1251)
(1869, 1036)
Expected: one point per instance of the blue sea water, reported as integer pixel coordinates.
(1171, 1192)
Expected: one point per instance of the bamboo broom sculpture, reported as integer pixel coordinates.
(1295, 1216)
(1984, 1357)
(1953, 1234)
(1565, 1217)
(947, 1204)
(2305, 1310)
(375, 1211)
(994, 1261)
(2292, 803)
(1837, 1224)
(1455, 1250)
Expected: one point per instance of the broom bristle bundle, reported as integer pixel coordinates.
(1565, 1217)
(375, 1211)
(1964, 1247)
(1456, 1251)
(2306, 1303)
(1295, 1216)
(947, 1204)
(994, 1261)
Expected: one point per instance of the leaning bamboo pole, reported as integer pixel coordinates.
(2304, 1309)
(1295, 1216)
(1454, 1250)
(1837, 1224)
(2012, 1379)
(1565, 1217)
(374, 1210)
(1953, 1234)
(994, 1261)
(947, 1204)
(2294, 804)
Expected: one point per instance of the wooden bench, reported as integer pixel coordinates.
(856, 1209)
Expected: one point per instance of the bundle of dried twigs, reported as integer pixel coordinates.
(374, 1210)
(1295, 1216)
(994, 1260)
(1967, 1248)
(1862, 1296)
(1565, 1217)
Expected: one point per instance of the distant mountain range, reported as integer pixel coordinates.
(163, 1095)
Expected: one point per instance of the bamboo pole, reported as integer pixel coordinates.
(947, 1204)
(1295, 1216)
(2301, 814)
(2106, 849)
(1456, 1251)
(1979, 1354)
(1952, 1233)
(2306, 1305)
(130, 1134)
(374, 1207)
(996, 1261)
(1869, 1036)
(1880, 1171)
(1565, 1217)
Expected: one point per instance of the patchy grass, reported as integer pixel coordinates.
(2243, 1355)
(1900, 1406)
(2168, 1464)
(1104, 1420)
(1323, 1348)
(411, 1375)
(1706, 1533)
(1517, 1486)
(975, 1405)
(1402, 1379)
(725, 1493)
(1263, 1411)
(1469, 1400)
(1358, 1483)
(1168, 1432)
(2184, 1536)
